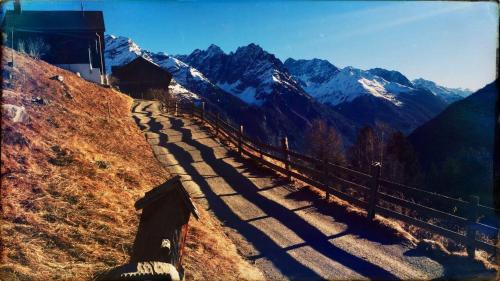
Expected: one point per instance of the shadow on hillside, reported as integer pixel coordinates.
(455, 267)
(264, 244)
(288, 265)
(358, 224)
(267, 248)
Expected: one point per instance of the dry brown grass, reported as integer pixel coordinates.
(65, 214)
(70, 177)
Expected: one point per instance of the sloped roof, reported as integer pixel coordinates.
(139, 59)
(54, 21)
(164, 190)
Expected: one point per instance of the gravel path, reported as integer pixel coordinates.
(274, 224)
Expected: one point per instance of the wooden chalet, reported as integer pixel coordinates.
(140, 77)
(73, 40)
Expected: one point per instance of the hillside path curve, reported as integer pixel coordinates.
(281, 230)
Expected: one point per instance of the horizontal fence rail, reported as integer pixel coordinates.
(371, 192)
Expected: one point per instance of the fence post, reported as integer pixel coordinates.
(325, 175)
(471, 230)
(240, 136)
(261, 155)
(374, 189)
(175, 114)
(284, 145)
(203, 111)
(217, 117)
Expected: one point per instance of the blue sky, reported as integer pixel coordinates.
(451, 43)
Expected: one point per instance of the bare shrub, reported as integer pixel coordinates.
(165, 98)
(21, 46)
(369, 147)
(37, 48)
(114, 81)
(4, 38)
(325, 142)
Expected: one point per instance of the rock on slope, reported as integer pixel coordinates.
(391, 75)
(72, 169)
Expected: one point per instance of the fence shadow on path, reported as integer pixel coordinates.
(267, 248)
(281, 259)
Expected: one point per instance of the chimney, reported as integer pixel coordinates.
(17, 6)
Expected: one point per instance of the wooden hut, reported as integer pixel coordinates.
(163, 227)
(161, 237)
(140, 77)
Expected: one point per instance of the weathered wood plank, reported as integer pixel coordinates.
(424, 210)
(404, 188)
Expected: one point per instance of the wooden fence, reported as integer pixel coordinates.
(371, 192)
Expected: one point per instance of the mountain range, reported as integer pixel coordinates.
(273, 99)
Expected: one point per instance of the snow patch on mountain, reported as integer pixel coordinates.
(246, 94)
(448, 94)
(247, 71)
(183, 73)
(178, 91)
(121, 50)
(342, 85)
(391, 75)
(314, 70)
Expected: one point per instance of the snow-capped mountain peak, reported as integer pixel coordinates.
(286, 97)
(121, 50)
(391, 75)
(315, 70)
(448, 94)
(249, 73)
(328, 84)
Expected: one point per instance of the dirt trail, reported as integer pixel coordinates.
(273, 224)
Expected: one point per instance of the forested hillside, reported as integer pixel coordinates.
(456, 148)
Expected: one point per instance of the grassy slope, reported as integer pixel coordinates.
(70, 219)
